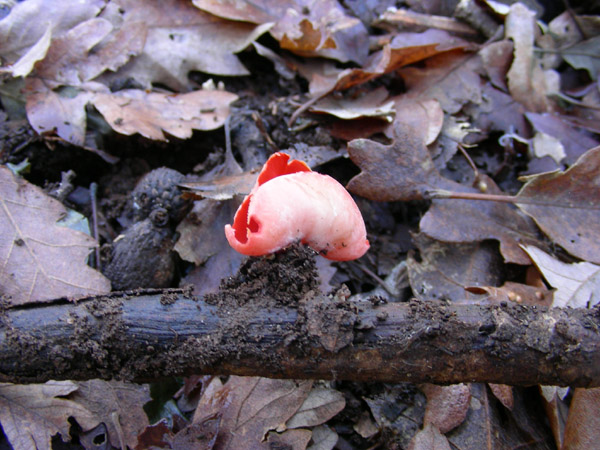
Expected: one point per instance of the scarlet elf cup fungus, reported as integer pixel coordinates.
(290, 203)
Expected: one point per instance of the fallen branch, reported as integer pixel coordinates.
(152, 335)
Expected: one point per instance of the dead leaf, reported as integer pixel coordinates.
(289, 439)
(503, 393)
(198, 436)
(31, 414)
(543, 144)
(490, 425)
(583, 422)
(405, 49)
(321, 405)
(156, 435)
(577, 285)
(41, 260)
(574, 141)
(441, 271)
(250, 407)
(584, 55)
(496, 58)
(22, 28)
(447, 406)
(429, 438)
(365, 426)
(201, 232)
(306, 27)
(118, 405)
(61, 110)
(451, 78)
(404, 171)
(472, 221)
(371, 104)
(181, 39)
(398, 409)
(323, 438)
(422, 115)
(37, 52)
(566, 205)
(528, 83)
(67, 57)
(556, 411)
(401, 171)
(149, 114)
(514, 292)
(223, 188)
(498, 111)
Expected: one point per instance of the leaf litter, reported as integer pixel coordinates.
(418, 111)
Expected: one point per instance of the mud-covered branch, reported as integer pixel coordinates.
(152, 335)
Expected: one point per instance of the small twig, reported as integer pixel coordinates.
(443, 194)
(571, 100)
(261, 127)
(304, 107)
(101, 153)
(469, 160)
(93, 196)
(376, 277)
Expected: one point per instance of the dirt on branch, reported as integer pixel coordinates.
(271, 321)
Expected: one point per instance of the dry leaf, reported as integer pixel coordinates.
(32, 414)
(149, 114)
(503, 393)
(23, 28)
(566, 205)
(543, 144)
(61, 110)
(25, 64)
(181, 39)
(584, 55)
(405, 49)
(496, 58)
(250, 407)
(371, 104)
(118, 405)
(574, 141)
(447, 406)
(156, 435)
(582, 431)
(443, 270)
(398, 172)
(67, 57)
(577, 285)
(472, 221)
(425, 116)
(323, 438)
(289, 439)
(556, 411)
(451, 78)
(528, 83)
(489, 425)
(404, 171)
(320, 406)
(429, 438)
(201, 232)
(514, 292)
(398, 409)
(306, 27)
(40, 259)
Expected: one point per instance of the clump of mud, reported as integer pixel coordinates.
(283, 278)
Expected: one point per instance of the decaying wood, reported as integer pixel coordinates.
(151, 335)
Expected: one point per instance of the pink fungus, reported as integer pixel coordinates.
(290, 203)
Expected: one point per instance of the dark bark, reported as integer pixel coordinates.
(152, 335)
